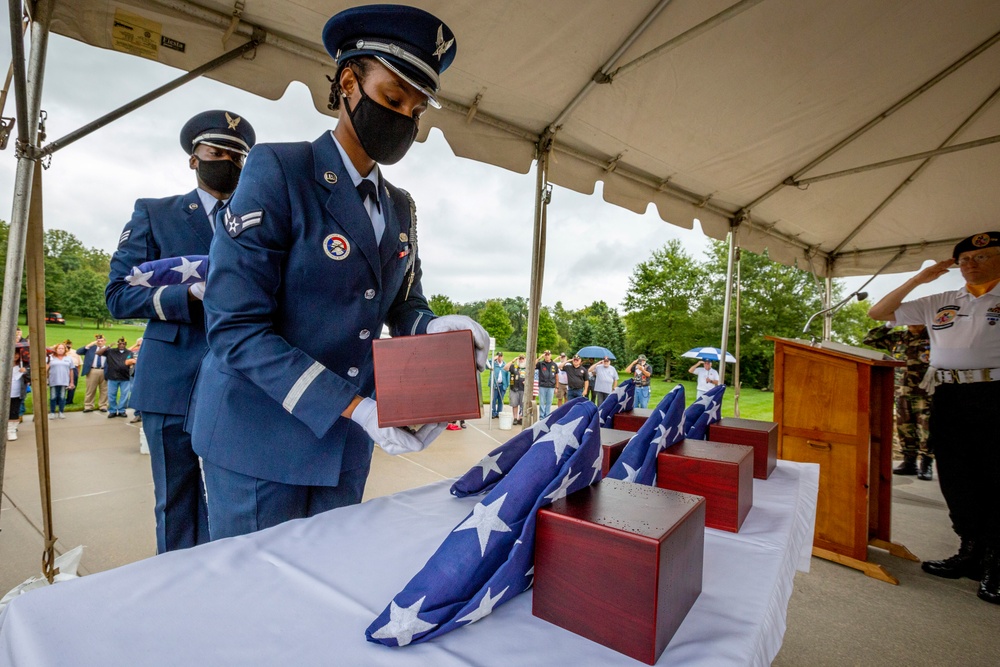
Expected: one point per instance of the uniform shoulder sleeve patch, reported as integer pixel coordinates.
(124, 237)
(237, 223)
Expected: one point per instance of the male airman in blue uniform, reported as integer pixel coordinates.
(314, 253)
(174, 342)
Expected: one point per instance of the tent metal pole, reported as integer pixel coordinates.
(27, 97)
(733, 226)
(827, 301)
(736, 366)
(542, 194)
(112, 116)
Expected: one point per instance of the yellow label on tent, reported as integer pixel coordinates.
(135, 35)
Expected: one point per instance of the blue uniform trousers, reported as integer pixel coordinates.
(181, 514)
(239, 504)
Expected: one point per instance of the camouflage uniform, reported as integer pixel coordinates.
(913, 407)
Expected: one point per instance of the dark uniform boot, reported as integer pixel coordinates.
(968, 562)
(989, 587)
(907, 467)
(926, 471)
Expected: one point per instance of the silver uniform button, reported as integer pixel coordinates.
(352, 371)
(364, 333)
(370, 294)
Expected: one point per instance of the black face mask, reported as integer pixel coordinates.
(384, 134)
(220, 175)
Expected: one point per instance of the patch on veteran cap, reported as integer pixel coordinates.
(411, 42)
(977, 242)
(219, 128)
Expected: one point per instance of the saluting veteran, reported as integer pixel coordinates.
(216, 143)
(315, 252)
(964, 328)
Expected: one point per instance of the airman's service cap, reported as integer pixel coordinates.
(977, 242)
(218, 128)
(410, 42)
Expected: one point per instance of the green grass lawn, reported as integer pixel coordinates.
(754, 403)
(81, 331)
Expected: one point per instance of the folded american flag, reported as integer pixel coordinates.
(665, 427)
(620, 400)
(169, 271)
(704, 412)
(488, 558)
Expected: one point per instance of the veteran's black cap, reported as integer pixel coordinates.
(413, 43)
(218, 128)
(977, 242)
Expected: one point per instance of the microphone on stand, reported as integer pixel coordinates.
(833, 309)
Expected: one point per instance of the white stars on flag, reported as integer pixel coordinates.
(485, 519)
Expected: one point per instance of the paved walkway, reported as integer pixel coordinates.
(103, 498)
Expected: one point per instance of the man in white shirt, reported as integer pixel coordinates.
(964, 381)
(708, 377)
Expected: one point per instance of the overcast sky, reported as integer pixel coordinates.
(475, 219)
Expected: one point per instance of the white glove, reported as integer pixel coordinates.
(460, 323)
(393, 440)
(198, 290)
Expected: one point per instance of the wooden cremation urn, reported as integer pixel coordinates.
(761, 435)
(426, 379)
(613, 442)
(631, 421)
(720, 472)
(620, 564)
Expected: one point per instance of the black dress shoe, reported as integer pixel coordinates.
(90, 410)
(968, 562)
(926, 471)
(905, 468)
(104, 409)
(989, 586)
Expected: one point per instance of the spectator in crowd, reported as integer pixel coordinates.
(22, 342)
(517, 374)
(577, 378)
(93, 370)
(913, 405)
(119, 378)
(708, 377)
(499, 381)
(641, 373)
(561, 380)
(547, 372)
(60, 370)
(17, 381)
(136, 415)
(605, 379)
(77, 364)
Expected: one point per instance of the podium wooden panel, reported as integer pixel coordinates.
(834, 406)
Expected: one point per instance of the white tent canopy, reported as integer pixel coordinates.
(713, 109)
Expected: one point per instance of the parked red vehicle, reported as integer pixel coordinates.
(55, 318)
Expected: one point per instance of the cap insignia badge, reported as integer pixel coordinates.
(980, 240)
(442, 46)
(233, 122)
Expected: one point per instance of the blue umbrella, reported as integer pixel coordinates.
(595, 352)
(709, 354)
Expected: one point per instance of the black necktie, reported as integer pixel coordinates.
(211, 214)
(367, 191)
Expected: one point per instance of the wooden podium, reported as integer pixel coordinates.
(834, 406)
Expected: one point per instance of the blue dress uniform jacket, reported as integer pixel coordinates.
(174, 341)
(297, 290)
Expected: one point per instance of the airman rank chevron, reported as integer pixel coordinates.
(124, 237)
(237, 224)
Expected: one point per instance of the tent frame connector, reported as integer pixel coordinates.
(256, 40)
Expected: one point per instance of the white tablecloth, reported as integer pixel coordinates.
(303, 593)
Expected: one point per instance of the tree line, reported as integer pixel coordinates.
(75, 276)
(674, 303)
